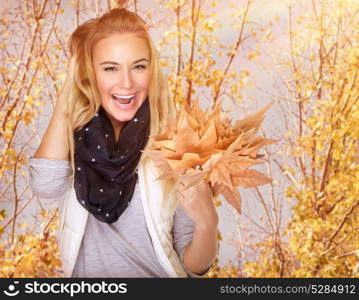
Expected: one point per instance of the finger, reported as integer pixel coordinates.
(180, 187)
(181, 199)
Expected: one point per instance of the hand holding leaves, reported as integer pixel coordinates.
(205, 145)
(197, 202)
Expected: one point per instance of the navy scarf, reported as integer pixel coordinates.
(105, 170)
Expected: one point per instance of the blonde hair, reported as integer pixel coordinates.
(80, 89)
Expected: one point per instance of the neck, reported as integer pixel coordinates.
(117, 126)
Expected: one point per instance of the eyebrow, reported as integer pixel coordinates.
(116, 63)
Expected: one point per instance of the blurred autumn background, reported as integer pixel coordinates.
(302, 54)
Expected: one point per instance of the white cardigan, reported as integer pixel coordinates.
(159, 210)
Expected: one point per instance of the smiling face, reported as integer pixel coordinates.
(122, 68)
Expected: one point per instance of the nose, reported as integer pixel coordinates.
(125, 81)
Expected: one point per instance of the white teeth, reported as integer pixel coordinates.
(123, 97)
(130, 98)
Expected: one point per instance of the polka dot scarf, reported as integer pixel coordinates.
(105, 170)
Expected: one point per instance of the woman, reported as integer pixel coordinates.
(116, 219)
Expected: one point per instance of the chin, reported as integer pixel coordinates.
(120, 116)
(123, 118)
(119, 113)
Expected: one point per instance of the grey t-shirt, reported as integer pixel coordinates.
(121, 249)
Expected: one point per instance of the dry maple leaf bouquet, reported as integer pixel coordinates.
(205, 145)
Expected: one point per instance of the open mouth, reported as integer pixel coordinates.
(126, 100)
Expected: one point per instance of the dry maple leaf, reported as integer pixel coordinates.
(206, 145)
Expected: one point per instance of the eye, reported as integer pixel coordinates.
(140, 67)
(110, 69)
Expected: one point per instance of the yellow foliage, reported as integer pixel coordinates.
(322, 237)
(253, 55)
(228, 271)
(32, 254)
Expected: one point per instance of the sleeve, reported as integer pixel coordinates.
(49, 178)
(183, 228)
